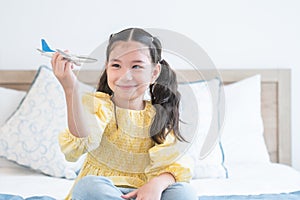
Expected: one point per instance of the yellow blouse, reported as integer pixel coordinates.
(123, 151)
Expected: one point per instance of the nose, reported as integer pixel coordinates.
(127, 75)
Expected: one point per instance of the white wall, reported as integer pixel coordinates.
(234, 33)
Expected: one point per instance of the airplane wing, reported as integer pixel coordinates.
(75, 58)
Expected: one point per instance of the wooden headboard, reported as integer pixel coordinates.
(276, 98)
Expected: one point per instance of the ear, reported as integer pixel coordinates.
(155, 72)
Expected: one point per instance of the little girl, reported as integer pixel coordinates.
(130, 142)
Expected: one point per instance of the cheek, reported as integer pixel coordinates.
(145, 77)
(144, 83)
(111, 78)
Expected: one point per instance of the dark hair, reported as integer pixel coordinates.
(164, 94)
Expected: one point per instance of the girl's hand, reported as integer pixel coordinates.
(153, 189)
(62, 69)
(149, 191)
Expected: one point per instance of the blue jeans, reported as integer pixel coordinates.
(99, 187)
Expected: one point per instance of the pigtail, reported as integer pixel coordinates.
(165, 98)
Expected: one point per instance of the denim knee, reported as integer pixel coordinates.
(179, 191)
(88, 182)
(94, 187)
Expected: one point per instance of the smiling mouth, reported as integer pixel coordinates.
(126, 87)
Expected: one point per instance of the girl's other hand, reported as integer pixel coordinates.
(149, 191)
(62, 69)
(153, 189)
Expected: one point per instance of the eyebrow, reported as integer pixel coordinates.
(134, 61)
(138, 61)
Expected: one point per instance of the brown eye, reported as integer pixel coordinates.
(137, 67)
(115, 65)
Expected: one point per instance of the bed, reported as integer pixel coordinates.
(230, 171)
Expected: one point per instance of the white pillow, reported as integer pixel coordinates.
(4, 163)
(199, 113)
(242, 135)
(10, 100)
(30, 136)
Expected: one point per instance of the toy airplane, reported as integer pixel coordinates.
(77, 60)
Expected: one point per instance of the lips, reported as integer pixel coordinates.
(126, 87)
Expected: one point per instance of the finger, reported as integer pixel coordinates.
(53, 60)
(61, 68)
(63, 58)
(59, 63)
(62, 61)
(76, 63)
(69, 67)
(130, 195)
(60, 57)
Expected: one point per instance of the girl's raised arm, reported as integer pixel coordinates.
(62, 69)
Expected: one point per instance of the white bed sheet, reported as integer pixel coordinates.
(22, 181)
(244, 180)
(251, 179)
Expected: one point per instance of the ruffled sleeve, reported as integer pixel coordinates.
(98, 113)
(170, 157)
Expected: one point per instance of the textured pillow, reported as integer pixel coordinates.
(30, 136)
(4, 163)
(199, 113)
(242, 136)
(10, 100)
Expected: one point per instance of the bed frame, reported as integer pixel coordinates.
(276, 98)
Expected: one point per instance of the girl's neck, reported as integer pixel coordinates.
(135, 104)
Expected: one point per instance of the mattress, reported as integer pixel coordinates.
(244, 179)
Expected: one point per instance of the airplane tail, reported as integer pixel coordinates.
(45, 47)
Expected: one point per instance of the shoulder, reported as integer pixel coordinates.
(102, 95)
(149, 108)
(96, 100)
(149, 113)
(97, 96)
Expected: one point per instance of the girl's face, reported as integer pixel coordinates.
(130, 70)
